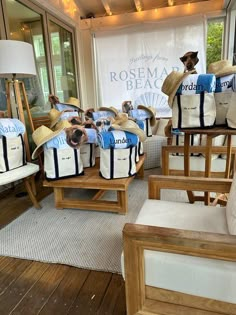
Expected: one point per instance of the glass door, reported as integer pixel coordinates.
(62, 54)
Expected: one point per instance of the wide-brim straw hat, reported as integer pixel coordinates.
(109, 109)
(73, 101)
(130, 126)
(42, 135)
(151, 110)
(54, 116)
(221, 68)
(172, 83)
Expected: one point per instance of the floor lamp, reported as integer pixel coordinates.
(17, 61)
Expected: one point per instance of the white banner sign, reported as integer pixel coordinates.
(133, 62)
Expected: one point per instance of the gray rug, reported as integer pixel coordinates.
(85, 239)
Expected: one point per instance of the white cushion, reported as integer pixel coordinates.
(215, 279)
(179, 215)
(18, 173)
(231, 208)
(152, 147)
(197, 163)
(209, 278)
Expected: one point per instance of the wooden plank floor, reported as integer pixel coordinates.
(29, 287)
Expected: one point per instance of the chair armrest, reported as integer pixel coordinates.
(194, 243)
(158, 182)
(137, 238)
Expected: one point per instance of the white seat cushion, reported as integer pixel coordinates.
(179, 215)
(197, 163)
(18, 173)
(209, 278)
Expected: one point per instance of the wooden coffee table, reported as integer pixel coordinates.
(92, 180)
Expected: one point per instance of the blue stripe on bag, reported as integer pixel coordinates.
(55, 158)
(179, 111)
(130, 160)
(202, 97)
(4, 146)
(91, 154)
(76, 162)
(112, 163)
(23, 150)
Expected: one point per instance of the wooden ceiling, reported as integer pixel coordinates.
(102, 8)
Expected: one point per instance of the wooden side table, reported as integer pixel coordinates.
(210, 133)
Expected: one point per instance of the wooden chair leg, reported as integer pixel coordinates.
(33, 186)
(31, 194)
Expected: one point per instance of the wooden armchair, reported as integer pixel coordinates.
(180, 258)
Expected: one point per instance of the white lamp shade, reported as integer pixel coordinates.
(16, 57)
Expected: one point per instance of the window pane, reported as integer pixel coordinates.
(26, 26)
(63, 61)
(215, 40)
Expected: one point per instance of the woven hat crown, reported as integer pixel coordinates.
(171, 81)
(221, 68)
(41, 133)
(54, 114)
(73, 101)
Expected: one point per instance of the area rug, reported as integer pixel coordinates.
(84, 239)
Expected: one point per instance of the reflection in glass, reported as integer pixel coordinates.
(63, 62)
(27, 26)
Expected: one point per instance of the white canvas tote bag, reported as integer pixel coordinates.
(12, 153)
(223, 101)
(231, 113)
(117, 163)
(194, 111)
(62, 163)
(12, 147)
(87, 154)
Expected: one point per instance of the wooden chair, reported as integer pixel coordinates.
(180, 258)
(218, 165)
(25, 173)
(41, 120)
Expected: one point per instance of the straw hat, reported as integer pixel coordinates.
(62, 124)
(221, 68)
(41, 135)
(130, 126)
(172, 83)
(109, 109)
(73, 102)
(151, 111)
(54, 116)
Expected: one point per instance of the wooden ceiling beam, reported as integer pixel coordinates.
(106, 7)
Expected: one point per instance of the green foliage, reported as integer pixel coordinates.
(214, 41)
